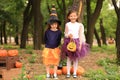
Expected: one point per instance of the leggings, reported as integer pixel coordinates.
(75, 65)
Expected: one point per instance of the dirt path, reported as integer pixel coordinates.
(88, 62)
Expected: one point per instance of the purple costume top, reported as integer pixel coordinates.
(52, 38)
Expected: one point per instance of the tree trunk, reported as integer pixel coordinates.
(91, 20)
(118, 39)
(27, 15)
(37, 37)
(81, 10)
(1, 35)
(103, 36)
(63, 9)
(16, 37)
(117, 10)
(79, 4)
(97, 37)
(4, 32)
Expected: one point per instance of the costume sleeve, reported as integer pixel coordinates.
(83, 35)
(82, 28)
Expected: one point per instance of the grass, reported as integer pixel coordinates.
(110, 71)
(109, 49)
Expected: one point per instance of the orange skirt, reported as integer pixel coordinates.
(51, 56)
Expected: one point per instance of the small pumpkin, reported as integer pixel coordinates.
(71, 70)
(80, 70)
(12, 52)
(71, 46)
(3, 53)
(51, 71)
(64, 69)
(18, 64)
(59, 72)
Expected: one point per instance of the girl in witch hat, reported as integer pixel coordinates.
(52, 38)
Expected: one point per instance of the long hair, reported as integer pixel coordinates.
(70, 12)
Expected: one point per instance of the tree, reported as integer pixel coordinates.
(79, 4)
(63, 9)
(91, 19)
(1, 33)
(37, 37)
(5, 17)
(103, 35)
(17, 37)
(10, 18)
(19, 6)
(4, 32)
(32, 10)
(109, 21)
(117, 10)
(97, 37)
(27, 16)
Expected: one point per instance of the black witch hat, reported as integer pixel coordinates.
(53, 16)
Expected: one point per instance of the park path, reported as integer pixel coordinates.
(88, 62)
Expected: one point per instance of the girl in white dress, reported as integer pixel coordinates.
(75, 31)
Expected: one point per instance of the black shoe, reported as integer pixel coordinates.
(68, 76)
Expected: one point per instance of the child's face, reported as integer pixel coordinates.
(73, 17)
(54, 25)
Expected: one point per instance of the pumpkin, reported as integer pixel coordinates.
(59, 72)
(80, 70)
(12, 52)
(71, 70)
(71, 46)
(3, 53)
(51, 71)
(64, 69)
(18, 64)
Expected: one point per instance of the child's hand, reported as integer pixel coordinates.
(70, 36)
